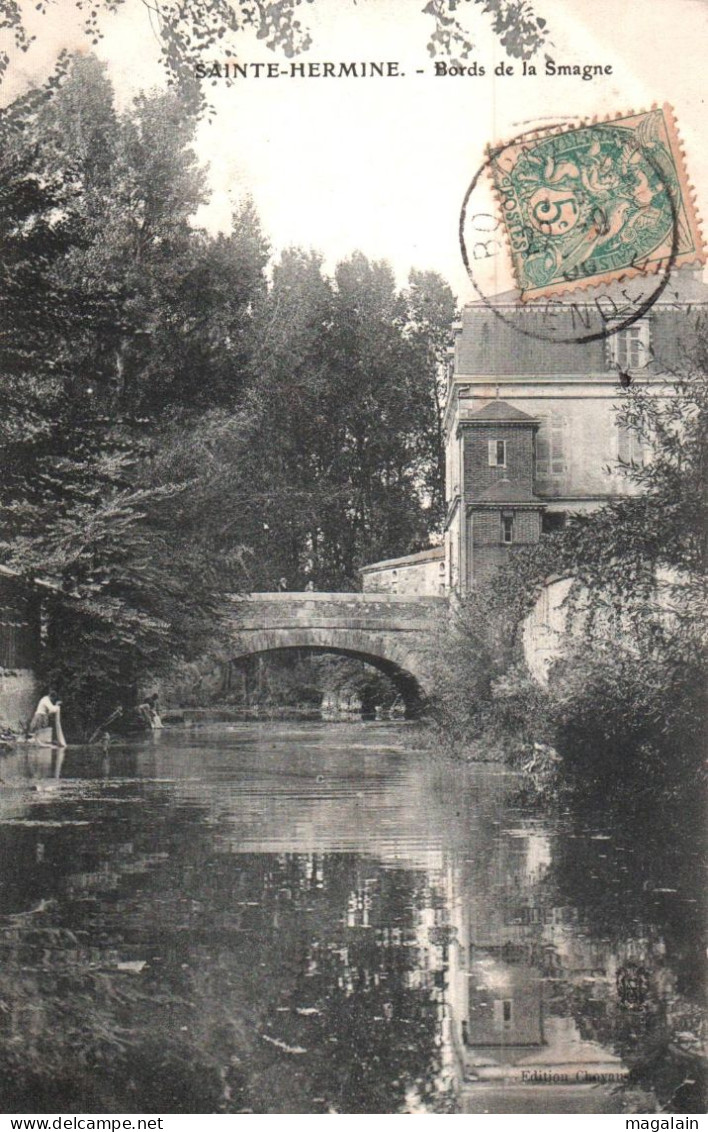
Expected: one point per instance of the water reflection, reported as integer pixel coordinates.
(321, 919)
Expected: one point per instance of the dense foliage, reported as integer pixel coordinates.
(105, 284)
(344, 464)
(177, 425)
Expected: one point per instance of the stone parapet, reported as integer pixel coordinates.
(373, 611)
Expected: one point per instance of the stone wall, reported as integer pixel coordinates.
(417, 574)
(19, 694)
(544, 628)
(19, 648)
(551, 623)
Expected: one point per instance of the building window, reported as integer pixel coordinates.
(629, 348)
(503, 1013)
(551, 447)
(631, 446)
(497, 453)
(507, 529)
(450, 365)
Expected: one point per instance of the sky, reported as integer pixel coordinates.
(382, 165)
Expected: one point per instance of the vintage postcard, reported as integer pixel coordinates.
(353, 425)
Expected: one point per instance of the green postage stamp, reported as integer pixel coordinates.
(588, 204)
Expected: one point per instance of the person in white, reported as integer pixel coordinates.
(149, 714)
(48, 713)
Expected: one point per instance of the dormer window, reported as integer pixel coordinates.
(497, 453)
(629, 348)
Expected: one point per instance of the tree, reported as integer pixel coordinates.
(641, 570)
(297, 437)
(122, 322)
(343, 463)
(379, 397)
(431, 313)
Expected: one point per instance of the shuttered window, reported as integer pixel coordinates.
(631, 447)
(551, 446)
(629, 348)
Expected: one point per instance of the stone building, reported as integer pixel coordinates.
(531, 418)
(424, 573)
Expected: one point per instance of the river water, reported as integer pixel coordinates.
(324, 918)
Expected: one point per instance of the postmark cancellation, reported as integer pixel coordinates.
(589, 204)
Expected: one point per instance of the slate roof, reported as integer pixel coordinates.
(430, 555)
(499, 411)
(686, 285)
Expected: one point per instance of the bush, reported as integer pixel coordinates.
(629, 718)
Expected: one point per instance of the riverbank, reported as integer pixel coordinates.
(194, 715)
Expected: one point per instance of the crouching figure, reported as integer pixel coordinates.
(47, 718)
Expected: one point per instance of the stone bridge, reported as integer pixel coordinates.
(392, 632)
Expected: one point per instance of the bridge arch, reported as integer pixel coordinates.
(403, 669)
(391, 632)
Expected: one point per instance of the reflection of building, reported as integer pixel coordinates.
(514, 1036)
(531, 422)
(504, 1005)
